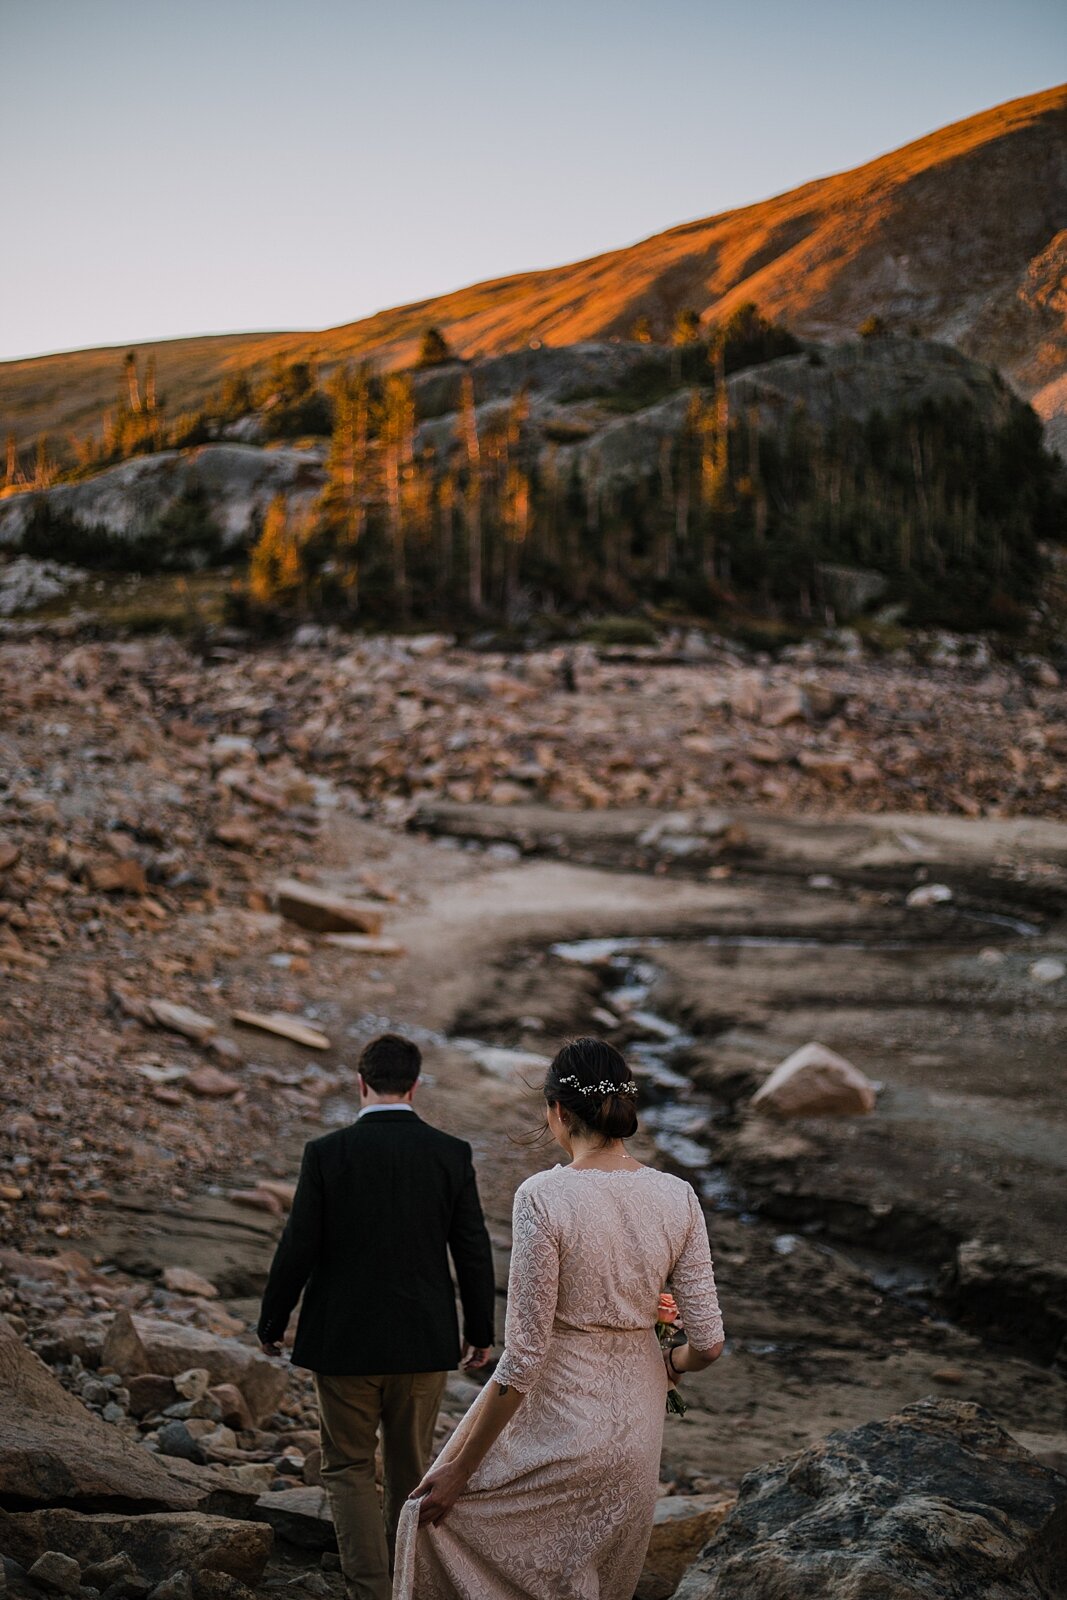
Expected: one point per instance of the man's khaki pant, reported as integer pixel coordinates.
(404, 1406)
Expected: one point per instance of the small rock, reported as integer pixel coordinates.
(176, 1440)
(179, 1586)
(57, 1572)
(779, 706)
(324, 912)
(133, 1587)
(239, 833)
(118, 877)
(182, 1280)
(122, 1348)
(102, 1573)
(231, 1403)
(254, 1475)
(928, 894)
(193, 1384)
(1048, 970)
(211, 1084)
(302, 1516)
(813, 1082)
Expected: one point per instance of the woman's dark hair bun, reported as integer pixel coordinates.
(589, 1078)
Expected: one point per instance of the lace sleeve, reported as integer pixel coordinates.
(533, 1282)
(693, 1284)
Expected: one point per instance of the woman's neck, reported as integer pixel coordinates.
(608, 1157)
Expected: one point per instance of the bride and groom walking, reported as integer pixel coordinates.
(547, 1487)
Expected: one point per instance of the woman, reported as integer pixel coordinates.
(548, 1486)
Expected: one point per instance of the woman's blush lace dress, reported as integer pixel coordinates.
(561, 1507)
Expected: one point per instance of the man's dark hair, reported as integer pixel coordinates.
(390, 1064)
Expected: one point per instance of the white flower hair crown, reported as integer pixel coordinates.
(603, 1087)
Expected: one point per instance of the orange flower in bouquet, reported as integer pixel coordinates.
(667, 1326)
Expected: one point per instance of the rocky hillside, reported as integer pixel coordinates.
(960, 236)
(584, 414)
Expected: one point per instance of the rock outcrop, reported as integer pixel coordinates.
(53, 1451)
(934, 1503)
(157, 1544)
(127, 501)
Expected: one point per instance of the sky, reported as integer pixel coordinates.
(180, 167)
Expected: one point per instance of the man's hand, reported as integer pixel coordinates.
(272, 1349)
(473, 1358)
(439, 1491)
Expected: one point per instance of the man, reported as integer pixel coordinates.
(379, 1208)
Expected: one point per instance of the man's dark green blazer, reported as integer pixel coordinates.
(380, 1207)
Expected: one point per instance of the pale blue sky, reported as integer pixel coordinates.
(203, 166)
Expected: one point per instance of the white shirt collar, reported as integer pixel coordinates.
(399, 1105)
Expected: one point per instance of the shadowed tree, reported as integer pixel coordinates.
(468, 430)
(434, 349)
(398, 447)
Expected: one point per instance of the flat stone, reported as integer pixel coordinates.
(301, 1516)
(283, 1026)
(211, 1084)
(182, 1019)
(157, 1543)
(324, 912)
(364, 944)
(183, 1280)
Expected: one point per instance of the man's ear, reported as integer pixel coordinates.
(409, 1097)
(362, 1083)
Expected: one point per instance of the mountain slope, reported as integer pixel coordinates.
(960, 236)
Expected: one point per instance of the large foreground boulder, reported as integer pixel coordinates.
(158, 1544)
(815, 1082)
(54, 1450)
(934, 1503)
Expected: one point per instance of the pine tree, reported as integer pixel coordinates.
(398, 431)
(133, 394)
(468, 428)
(44, 471)
(277, 575)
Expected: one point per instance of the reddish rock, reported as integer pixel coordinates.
(125, 876)
(149, 1391)
(183, 1280)
(211, 1084)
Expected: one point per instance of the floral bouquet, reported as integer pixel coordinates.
(667, 1325)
